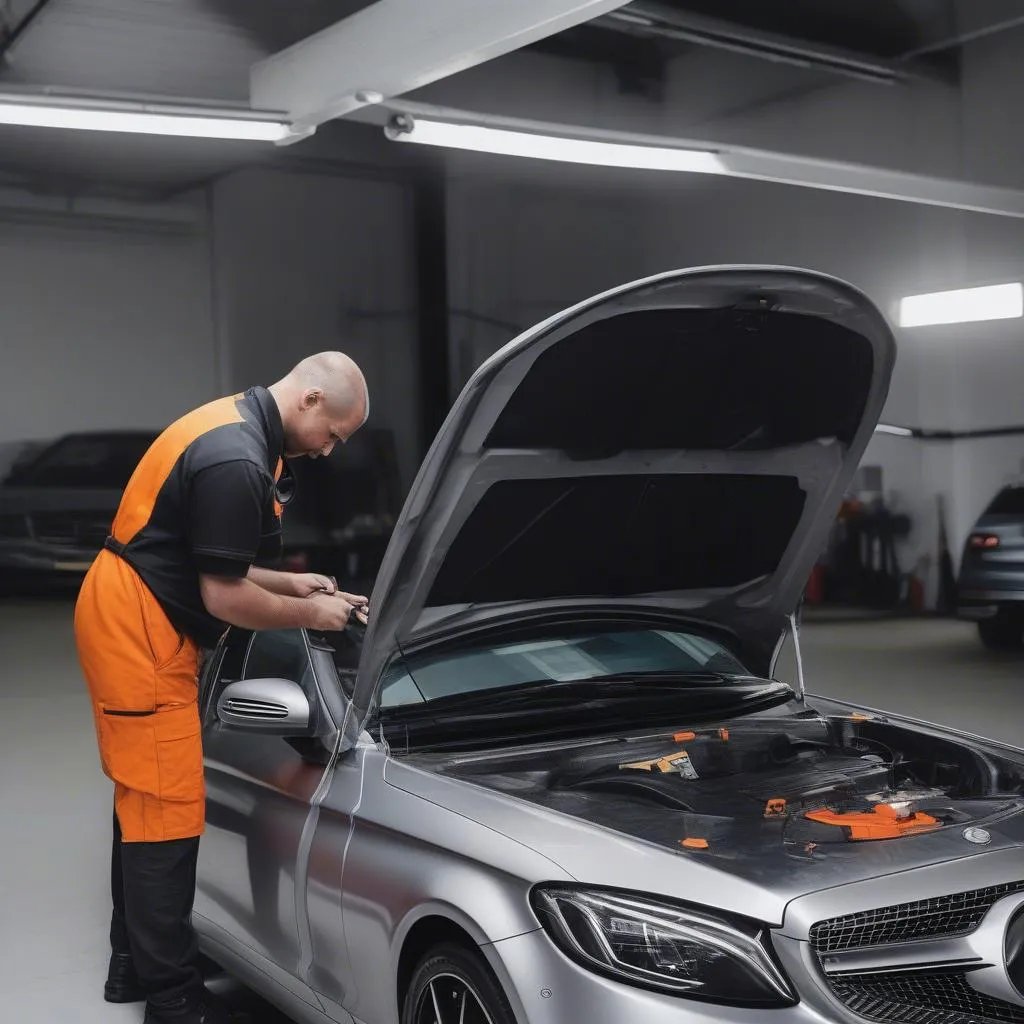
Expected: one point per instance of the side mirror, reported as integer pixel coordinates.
(276, 706)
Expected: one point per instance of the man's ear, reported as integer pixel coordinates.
(311, 398)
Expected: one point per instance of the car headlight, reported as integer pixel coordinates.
(664, 947)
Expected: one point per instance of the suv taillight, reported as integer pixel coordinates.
(983, 541)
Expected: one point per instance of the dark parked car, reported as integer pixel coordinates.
(57, 503)
(991, 584)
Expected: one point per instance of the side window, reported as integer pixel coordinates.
(280, 654)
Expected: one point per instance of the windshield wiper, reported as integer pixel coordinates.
(590, 692)
(425, 727)
(661, 675)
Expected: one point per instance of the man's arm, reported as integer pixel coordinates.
(245, 603)
(300, 584)
(288, 584)
(282, 583)
(226, 508)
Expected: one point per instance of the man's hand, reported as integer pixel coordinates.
(360, 605)
(330, 612)
(306, 583)
(309, 583)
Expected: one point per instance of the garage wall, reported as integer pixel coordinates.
(307, 262)
(120, 316)
(107, 319)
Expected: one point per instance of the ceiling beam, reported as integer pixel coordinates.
(651, 19)
(743, 162)
(395, 46)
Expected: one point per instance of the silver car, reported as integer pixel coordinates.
(555, 780)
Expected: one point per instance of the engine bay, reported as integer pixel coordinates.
(804, 780)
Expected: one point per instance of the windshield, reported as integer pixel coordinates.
(557, 660)
(105, 462)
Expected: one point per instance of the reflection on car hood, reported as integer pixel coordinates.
(679, 443)
(736, 801)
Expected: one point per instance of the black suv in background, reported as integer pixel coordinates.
(57, 502)
(990, 587)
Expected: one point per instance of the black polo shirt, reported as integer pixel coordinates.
(204, 499)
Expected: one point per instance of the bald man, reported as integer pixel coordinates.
(190, 553)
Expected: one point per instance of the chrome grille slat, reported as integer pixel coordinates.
(923, 998)
(944, 916)
(929, 994)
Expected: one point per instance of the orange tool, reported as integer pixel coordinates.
(881, 822)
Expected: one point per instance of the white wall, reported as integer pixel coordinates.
(131, 320)
(104, 324)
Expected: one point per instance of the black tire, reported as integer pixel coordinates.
(448, 973)
(1003, 632)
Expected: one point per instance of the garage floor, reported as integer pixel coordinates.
(55, 803)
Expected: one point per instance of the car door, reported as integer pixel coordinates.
(258, 793)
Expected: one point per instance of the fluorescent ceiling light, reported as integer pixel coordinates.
(146, 119)
(965, 305)
(551, 147)
(886, 428)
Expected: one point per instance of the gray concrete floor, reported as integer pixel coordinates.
(55, 803)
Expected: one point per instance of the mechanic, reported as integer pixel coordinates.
(196, 526)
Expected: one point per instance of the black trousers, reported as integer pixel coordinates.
(153, 887)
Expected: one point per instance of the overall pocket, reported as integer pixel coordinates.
(179, 751)
(128, 748)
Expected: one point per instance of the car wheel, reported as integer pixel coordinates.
(1003, 632)
(452, 985)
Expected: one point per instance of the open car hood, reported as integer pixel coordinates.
(679, 444)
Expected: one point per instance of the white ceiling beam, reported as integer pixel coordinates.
(395, 46)
(742, 162)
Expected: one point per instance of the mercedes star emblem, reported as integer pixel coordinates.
(978, 836)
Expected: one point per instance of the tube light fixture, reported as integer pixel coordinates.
(887, 428)
(964, 305)
(562, 148)
(142, 118)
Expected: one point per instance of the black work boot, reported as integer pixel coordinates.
(209, 1011)
(122, 982)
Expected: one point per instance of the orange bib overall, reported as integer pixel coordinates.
(141, 672)
(142, 679)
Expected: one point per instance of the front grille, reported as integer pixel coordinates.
(921, 997)
(942, 916)
(70, 528)
(14, 526)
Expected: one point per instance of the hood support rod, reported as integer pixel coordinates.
(801, 683)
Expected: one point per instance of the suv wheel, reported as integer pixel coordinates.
(452, 985)
(1003, 632)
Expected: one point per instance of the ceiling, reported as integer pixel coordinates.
(203, 49)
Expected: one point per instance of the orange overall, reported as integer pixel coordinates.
(142, 680)
(140, 669)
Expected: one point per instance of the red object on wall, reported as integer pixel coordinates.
(815, 592)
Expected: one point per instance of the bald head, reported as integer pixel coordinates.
(337, 376)
(322, 400)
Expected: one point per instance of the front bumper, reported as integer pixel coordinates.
(545, 987)
(31, 556)
(978, 605)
